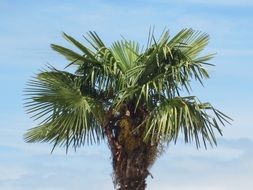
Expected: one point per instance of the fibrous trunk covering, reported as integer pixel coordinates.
(131, 170)
(130, 155)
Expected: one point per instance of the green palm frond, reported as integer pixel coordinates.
(188, 116)
(126, 53)
(169, 66)
(176, 58)
(99, 66)
(88, 52)
(68, 116)
(104, 54)
(75, 58)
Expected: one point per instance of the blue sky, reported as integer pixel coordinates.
(28, 27)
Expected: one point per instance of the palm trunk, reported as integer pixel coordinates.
(130, 155)
(130, 170)
(130, 167)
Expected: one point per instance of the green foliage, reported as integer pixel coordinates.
(73, 107)
(67, 115)
(187, 115)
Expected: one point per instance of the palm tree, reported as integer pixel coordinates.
(127, 96)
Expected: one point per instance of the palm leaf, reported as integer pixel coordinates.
(169, 66)
(67, 116)
(186, 115)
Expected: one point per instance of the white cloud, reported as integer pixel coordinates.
(12, 173)
(181, 170)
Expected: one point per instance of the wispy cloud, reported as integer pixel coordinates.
(12, 173)
(180, 168)
(184, 169)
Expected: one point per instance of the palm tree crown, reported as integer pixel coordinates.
(124, 80)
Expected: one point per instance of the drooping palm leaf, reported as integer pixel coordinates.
(195, 120)
(67, 115)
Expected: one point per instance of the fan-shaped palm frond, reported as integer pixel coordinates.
(68, 116)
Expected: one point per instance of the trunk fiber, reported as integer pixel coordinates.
(130, 170)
